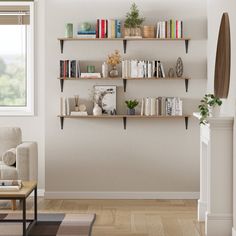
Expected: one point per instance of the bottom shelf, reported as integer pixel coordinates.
(124, 117)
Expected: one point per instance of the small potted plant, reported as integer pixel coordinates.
(131, 104)
(133, 22)
(113, 60)
(208, 104)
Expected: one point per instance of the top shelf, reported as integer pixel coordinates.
(62, 40)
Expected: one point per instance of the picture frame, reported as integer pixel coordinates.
(105, 97)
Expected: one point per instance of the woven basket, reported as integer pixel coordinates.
(148, 31)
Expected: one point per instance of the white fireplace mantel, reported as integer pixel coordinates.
(215, 205)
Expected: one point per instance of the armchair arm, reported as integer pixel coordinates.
(27, 161)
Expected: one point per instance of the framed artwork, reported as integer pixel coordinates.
(105, 97)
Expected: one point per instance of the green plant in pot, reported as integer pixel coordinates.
(208, 103)
(131, 104)
(133, 22)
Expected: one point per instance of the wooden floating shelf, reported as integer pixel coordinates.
(186, 79)
(125, 40)
(124, 117)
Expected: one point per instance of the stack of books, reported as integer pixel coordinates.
(170, 29)
(110, 28)
(10, 185)
(142, 69)
(162, 106)
(86, 34)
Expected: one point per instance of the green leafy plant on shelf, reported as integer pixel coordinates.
(131, 104)
(208, 102)
(133, 19)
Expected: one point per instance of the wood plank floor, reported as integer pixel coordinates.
(130, 217)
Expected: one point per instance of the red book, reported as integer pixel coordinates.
(176, 30)
(102, 28)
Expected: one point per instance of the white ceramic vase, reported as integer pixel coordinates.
(97, 110)
(214, 111)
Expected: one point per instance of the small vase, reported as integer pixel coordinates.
(215, 111)
(76, 108)
(131, 112)
(97, 110)
(114, 72)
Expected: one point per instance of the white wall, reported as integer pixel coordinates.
(150, 156)
(33, 127)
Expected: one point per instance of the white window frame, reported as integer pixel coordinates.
(27, 110)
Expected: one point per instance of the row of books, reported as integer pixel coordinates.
(108, 28)
(170, 29)
(162, 106)
(130, 69)
(142, 69)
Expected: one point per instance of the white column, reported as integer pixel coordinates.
(216, 180)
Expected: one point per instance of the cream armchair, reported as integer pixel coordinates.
(26, 156)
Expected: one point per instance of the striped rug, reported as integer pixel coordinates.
(50, 225)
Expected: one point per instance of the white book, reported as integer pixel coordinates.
(9, 188)
(147, 106)
(149, 69)
(86, 36)
(134, 68)
(79, 113)
(90, 75)
(142, 106)
(129, 68)
(153, 107)
(109, 28)
(157, 106)
(62, 106)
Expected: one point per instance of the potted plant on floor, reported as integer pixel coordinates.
(209, 107)
(133, 23)
(131, 104)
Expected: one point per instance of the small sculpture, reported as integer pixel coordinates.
(179, 67)
(171, 73)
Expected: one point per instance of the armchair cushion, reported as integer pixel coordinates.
(10, 137)
(9, 157)
(8, 172)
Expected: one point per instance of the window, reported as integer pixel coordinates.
(16, 59)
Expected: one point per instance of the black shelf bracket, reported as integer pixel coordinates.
(124, 45)
(124, 121)
(186, 45)
(186, 122)
(62, 45)
(62, 84)
(62, 122)
(186, 85)
(124, 84)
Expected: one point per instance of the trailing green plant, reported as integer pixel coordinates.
(209, 100)
(133, 19)
(131, 104)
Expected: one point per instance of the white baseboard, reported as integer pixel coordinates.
(121, 195)
(218, 224)
(233, 232)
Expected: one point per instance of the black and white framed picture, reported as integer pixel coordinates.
(105, 97)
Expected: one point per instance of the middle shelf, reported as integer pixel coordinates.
(124, 117)
(186, 79)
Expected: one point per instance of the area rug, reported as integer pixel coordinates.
(50, 225)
